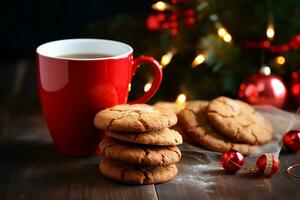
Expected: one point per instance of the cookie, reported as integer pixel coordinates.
(195, 124)
(163, 136)
(187, 138)
(137, 154)
(120, 171)
(174, 107)
(239, 121)
(134, 118)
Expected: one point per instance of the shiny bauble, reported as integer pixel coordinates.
(232, 161)
(291, 140)
(263, 88)
(267, 164)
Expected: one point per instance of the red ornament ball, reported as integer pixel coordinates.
(189, 17)
(295, 42)
(291, 140)
(295, 87)
(263, 88)
(267, 164)
(232, 161)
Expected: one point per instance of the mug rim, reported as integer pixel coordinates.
(41, 49)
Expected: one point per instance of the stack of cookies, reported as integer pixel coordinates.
(139, 147)
(224, 124)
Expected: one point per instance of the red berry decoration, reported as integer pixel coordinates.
(291, 140)
(267, 164)
(232, 161)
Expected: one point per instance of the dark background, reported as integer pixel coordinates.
(27, 24)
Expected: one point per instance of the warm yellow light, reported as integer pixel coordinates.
(221, 32)
(181, 99)
(147, 87)
(166, 59)
(270, 31)
(160, 6)
(280, 60)
(227, 37)
(129, 87)
(200, 58)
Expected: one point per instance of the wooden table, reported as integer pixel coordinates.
(30, 168)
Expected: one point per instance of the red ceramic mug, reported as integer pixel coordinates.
(73, 90)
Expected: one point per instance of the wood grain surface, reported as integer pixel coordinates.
(30, 168)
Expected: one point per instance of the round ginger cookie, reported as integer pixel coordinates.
(195, 124)
(163, 136)
(134, 118)
(185, 137)
(120, 171)
(239, 121)
(137, 154)
(175, 108)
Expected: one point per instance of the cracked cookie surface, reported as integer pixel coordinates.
(239, 121)
(194, 123)
(136, 174)
(139, 154)
(163, 136)
(134, 118)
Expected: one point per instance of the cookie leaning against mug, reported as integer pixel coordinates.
(137, 175)
(134, 118)
(194, 123)
(239, 121)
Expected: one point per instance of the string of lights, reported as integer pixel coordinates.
(222, 33)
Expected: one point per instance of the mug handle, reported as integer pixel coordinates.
(156, 81)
